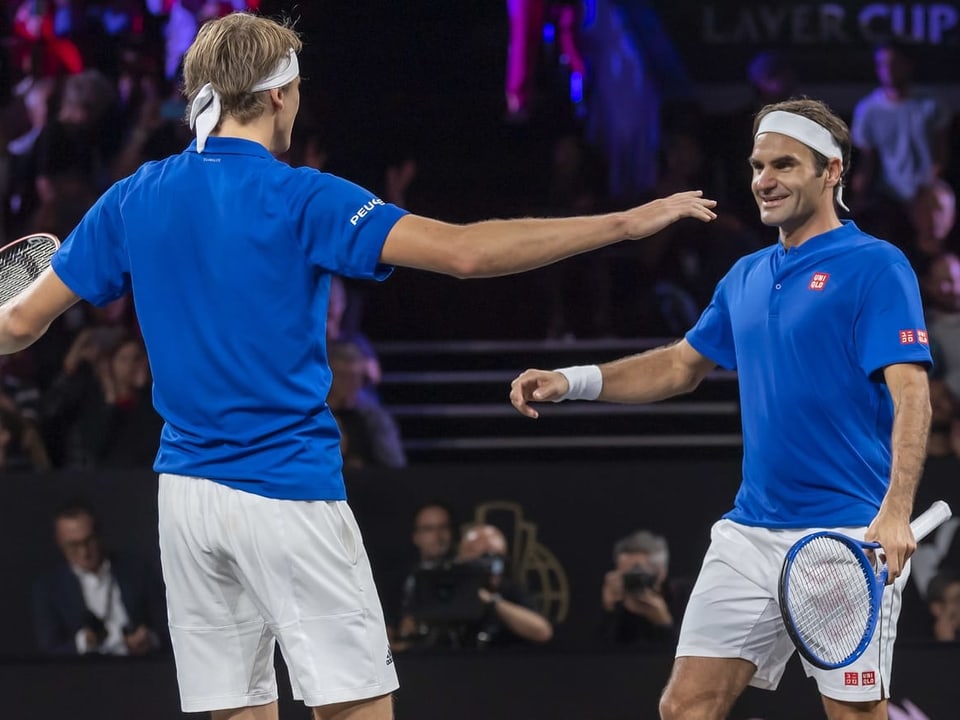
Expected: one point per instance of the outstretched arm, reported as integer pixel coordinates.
(26, 317)
(502, 247)
(910, 391)
(522, 621)
(650, 376)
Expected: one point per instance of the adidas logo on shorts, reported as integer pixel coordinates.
(389, 656)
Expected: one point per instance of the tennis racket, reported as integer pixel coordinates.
(22, 261)
(830, 591)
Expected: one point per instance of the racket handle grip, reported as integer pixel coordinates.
(930, 520)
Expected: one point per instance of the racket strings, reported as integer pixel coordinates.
(830, 599)
(22, 263)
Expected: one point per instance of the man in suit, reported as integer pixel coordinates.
(94, 602)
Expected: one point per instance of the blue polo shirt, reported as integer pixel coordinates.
(809, 332)
(229, 255)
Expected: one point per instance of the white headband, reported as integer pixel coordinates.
(205, 111)
(810, 133)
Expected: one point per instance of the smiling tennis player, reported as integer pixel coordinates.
(826, 331)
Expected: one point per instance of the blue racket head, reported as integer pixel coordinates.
(830, 595)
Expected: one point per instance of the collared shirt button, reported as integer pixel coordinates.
(777, 286)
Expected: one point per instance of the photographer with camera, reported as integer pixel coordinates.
(510, 610)
(641, 606)
(472, 602)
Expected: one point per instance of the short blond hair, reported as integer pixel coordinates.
(233, 53)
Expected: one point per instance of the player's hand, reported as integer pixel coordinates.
(892, 530)
(658, 214)
(536, 386)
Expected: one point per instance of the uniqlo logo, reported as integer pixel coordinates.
(922, 337)
(868, 677)
(819, 280)
(851, 678)
(907, 337)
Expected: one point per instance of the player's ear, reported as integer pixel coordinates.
(834, 171)
(276, 98)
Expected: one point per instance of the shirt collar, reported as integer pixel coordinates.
(831, 238)
(217, 145)
(101, 573)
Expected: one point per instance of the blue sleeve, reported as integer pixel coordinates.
(93, 260)
(343, 226)
(712, 336)
(890, 327)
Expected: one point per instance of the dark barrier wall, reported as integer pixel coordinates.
(478, 686)
(561, 521)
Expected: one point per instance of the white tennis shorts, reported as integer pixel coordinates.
(733, 613)
(244, 572)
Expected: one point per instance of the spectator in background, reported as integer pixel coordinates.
(511, 610)
(337, 332)
(526, 19)
(46, 27)
(943, 599)
(183, 19)
(112, 27)
(21, 192)
(73, 153)
(433, 536)
(944, 425)
(98, 413)
(507, 613)
(157, 129)
(902, 139)
(21, 445)
(370, 436)
(642, 606)
(96, 602)
(577, 185)
(665, 284)
(940, 283)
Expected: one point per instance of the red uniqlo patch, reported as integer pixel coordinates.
(922, 337)
(819, 280)
(907, 337)
(851, 678)
(868, 677)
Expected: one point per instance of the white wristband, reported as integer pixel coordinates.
(586, 382)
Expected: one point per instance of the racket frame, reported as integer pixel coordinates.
(923, 525)
(52, 241)
(873, 580)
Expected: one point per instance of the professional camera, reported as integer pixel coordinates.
(492, 565)
(636, 580)
(449, 593)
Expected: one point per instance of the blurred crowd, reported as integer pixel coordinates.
(88, 92)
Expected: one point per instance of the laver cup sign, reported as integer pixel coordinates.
(829, 41)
